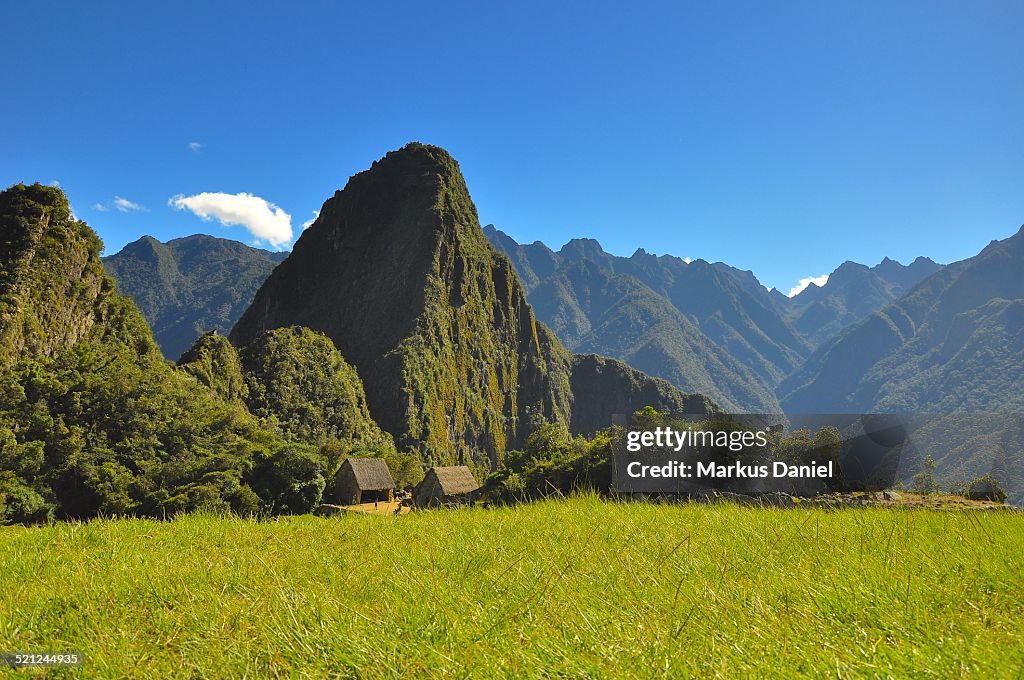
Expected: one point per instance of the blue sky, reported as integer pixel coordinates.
(778, 137)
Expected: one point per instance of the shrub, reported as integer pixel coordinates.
(21, 505)
(291, 482)
(986, 488)
(245, 502)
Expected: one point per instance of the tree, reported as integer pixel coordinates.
(20, 504)
(291, 482)
(405, 468)
(924, 481)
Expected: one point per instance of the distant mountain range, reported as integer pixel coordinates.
(887, 338)
(190, 285)
(703, 326)
(851, 292)
(953, 343)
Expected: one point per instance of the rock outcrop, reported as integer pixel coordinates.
(54, 292)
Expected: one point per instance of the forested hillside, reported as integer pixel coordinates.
(93, 420)
(954, 343)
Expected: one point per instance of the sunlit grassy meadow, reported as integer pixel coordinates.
(579, 587)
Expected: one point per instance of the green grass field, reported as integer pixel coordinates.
(574, 588)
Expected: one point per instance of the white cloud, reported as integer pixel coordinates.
(124, 205)
(309, 223)
(264, 220)
(55, 183)
(195, 146)
(687, 260)
(99, 207)
(804, 282)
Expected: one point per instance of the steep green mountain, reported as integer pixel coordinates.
(713, 320)
(953, 343)
(852, 292)
(92, 419)
(398, 274)
(189, 286)
(53, 290)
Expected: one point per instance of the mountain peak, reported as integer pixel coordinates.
(419, 152)
(54, 292)
(849, 266)
(400, 276)
(581, 249)
(145, 248)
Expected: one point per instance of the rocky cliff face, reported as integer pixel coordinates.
(53, 290)
(397, 272)
(612, 387)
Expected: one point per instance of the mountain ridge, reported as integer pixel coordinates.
(851, 293)
(913, 340)
(716, 315)
(190, 285)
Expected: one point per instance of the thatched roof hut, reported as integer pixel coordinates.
(364, 480)
(445, 486)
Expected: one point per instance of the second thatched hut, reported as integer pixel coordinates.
(453, 485)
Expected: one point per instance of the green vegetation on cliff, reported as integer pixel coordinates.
(215, 363)
(53, 290)
(295, 381)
